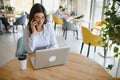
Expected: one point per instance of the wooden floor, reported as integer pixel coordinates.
(8, 47)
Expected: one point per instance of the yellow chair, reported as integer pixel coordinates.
(98, 25)
(89, 38)
(57, 20)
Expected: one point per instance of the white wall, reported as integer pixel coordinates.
(51, 4)
(82, 7)
(7, 2)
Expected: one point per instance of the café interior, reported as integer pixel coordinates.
(79, 13)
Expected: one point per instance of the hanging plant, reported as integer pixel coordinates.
(111, 30)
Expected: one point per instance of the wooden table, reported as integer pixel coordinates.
(77, 67)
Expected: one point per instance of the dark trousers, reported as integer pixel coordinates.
(5, 22)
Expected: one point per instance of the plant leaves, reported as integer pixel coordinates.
(109, 67)
(116, 55)
(116, 49)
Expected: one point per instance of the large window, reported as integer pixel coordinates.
(23, 5)
(98, 10)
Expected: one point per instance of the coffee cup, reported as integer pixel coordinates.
(23, 61)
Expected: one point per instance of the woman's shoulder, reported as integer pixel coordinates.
(48, 25)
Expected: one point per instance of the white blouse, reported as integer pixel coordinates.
(40, 40)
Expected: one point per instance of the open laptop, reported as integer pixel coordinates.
(49, 57)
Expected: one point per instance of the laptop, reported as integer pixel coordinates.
(49, 57)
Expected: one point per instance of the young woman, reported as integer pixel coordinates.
(38, 34)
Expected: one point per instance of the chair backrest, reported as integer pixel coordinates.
(21, 20)
(89, 38)
(86, 34)
(20, 47)
(67, 25)
(98, 24)
(57, 20)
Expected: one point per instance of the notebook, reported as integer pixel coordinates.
(49, 57)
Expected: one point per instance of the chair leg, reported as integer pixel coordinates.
(73, 33)
(63, 32)
(88, 50)
(0, 32)
(77, 34)
(95, 49)
(81, 48)
(23, 27)
(55, 26)
(66, 35)
(14, 29)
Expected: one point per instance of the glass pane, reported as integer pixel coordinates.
(98, 10)
(37, 1)
(23, 5)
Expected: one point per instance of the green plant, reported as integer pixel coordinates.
(1, 7)
(111, 31)
(9, 8)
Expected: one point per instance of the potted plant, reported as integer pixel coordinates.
(9, 9)
(111, 30)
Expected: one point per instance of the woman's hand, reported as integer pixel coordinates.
(33, 24)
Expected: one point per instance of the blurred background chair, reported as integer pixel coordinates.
(20, 47)
(97, 27)
(1, 27)
(67, 26)
(56, 20)
(90, 39)
(20, 21)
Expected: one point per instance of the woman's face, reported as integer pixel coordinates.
(39, 18)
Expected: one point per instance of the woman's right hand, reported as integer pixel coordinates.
(33, 23)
